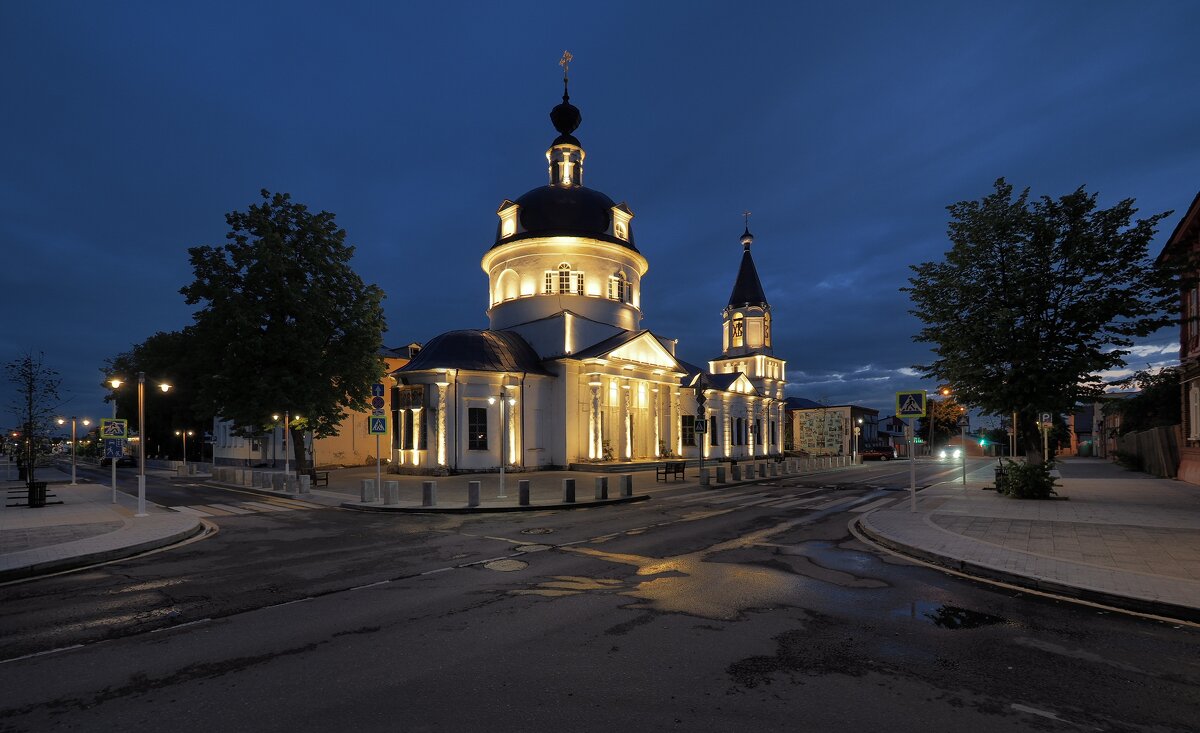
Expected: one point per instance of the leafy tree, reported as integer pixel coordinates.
(1156, 404)
(174, 358)
(286, 324)
(34, 404)
(1035, 298)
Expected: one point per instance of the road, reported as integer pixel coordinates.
(751, 608)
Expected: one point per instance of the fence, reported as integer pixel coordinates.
(1155, 451)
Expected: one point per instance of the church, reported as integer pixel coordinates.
(565, 374)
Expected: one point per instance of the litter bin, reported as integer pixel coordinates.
(1000, 474)
(37, 494)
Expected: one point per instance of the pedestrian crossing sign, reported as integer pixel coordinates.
(910, 404)
(377, 425)
(115, 429)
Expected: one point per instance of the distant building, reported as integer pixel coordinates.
(1184, 242)
(819, 429)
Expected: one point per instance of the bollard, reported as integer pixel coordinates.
(472, 493)
(704, 477)
(391, 492)
(429, 493)
(762, 470)
(720, 474)
(523, 492)
(568, 491)
(367, 490)
(601, 487)
(305, 484)
(737, 472)
(626, 481)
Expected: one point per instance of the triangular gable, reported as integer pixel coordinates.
(645, 349)
(740, 384)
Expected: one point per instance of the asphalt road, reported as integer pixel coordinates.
(738, 609)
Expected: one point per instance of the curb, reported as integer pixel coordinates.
(46, 567)
(384, 509)
(984, 572)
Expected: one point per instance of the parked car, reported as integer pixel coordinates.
(122, 461)
(879, 453)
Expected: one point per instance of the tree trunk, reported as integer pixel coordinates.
(299, 455)
(1030, 435)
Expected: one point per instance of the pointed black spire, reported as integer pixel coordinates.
(565, 116)
(747, 289)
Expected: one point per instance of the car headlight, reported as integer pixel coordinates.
(957, 453)
(942, 453)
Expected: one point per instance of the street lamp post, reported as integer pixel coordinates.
(141, 510)
(62, 421)
(857, 438)
(184, 434)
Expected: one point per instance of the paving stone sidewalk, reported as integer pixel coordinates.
(1113, 536)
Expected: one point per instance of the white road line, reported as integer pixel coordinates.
(836, 503)
(42, 654)
(796, 502)
(265, 507)
(231, 509)
(740, 497)
(872, 505)
(291, 503)
(190, 510)
(211, 510)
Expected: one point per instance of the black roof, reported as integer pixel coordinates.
(747, 289)
(575, 211)
(480, 351)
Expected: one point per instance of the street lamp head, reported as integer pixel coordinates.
(61, 420)
(275, 418)
(115, 382)
(177, 432)
(86, 422)
(165, 387)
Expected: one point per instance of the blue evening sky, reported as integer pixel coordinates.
(130, 129)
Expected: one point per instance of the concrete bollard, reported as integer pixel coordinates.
(391, 492)
(626, 481)
(290, 484)
(523, 492)
(568, 490)
(601, 488)
(720, 474)
(774, 468)
(737, 472)
(367, 490)
(429, 493)
(305, 484)
(473, 493)
(704, 477)
(762, 470)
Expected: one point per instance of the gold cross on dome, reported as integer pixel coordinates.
(565, 61)
(747, 215)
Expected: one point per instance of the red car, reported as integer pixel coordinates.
(879, 453)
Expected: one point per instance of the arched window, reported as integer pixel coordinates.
(564, 280)
(738, 327)
(619, 288)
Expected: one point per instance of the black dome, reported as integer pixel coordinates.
(549, 211)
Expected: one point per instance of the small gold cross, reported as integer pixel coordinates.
(565, 61)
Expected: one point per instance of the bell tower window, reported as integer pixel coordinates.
(563, 281)
(738, 330)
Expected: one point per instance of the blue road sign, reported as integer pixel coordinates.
(377, 390)
(377, 425)
(113, 448)
(910, 404)
(377, 403)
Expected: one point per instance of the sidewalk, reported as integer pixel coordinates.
(86, 528)
(1115, 537)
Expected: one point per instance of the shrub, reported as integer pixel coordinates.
(1026, 481)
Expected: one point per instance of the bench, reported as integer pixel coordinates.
(674, 469)
(319, 478)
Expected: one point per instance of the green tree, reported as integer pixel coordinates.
(1156, 404)
(33, 404)
(1035, 298)
(172, 357)
(286, 325)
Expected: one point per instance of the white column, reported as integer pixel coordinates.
(655, 417)
(416, 437)
(441, 424)
(626, 444)
(595, 439)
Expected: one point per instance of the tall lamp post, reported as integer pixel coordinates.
(141, 510)
(857, 438)
(63, 421)
(184, 434)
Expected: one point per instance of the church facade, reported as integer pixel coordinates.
(566, 373)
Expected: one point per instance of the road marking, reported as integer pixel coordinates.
(265, 507)
(231, 509)
(740, 497)
(212, 510)
(291, 503)
(874, 504)
(836, 503)
(193, 512)
(42, 654)
(796, 502)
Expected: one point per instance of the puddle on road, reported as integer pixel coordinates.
(946, 616)
(537, 530)
(506, 565)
